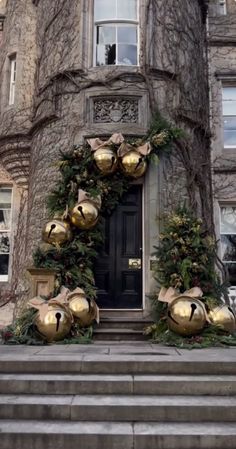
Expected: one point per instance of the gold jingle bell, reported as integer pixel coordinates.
(79, 305)
(55, 324)
(106, 160)
(133, 164)
(88, 318)
(57, 232)
(224, 317)
(186, 316)
(84, 215)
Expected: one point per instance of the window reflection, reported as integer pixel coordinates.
(116, 45)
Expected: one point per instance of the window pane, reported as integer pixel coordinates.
(106, 54)
(229, 101)
(5, 216)
(5, 198)
(230, 138)
(127, 9)
(127, 35)
(229, 107)
(4, 261)
(229, 93)
(228, 246)
(127, 54)
(104, 9)
(230, 123)
(228, 220)
(106, 35)
(4, 242)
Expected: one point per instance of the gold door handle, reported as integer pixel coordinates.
(135, 264)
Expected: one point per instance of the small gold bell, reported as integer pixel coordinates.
(133, 164)
(57, 232)
(106, 160)
(186, 316)
(84, 215)
(224, 317)
(56, 324)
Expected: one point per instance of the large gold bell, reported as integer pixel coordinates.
(55, 324)
(133, 164)
(186, 316)
(79, 305)
(84, 215)
(106, 160)
(56, 232)
(224, 317)
(88, 318)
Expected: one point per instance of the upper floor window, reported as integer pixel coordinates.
(229, 116)
(5, 230)
(116, 32)
(222, 7)
(12, 87)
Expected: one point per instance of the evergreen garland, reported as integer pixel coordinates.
(74, 260)
(185, 258)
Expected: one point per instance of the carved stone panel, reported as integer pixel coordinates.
(114, 110)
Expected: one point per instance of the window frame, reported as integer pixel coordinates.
(114, 22)
(5, 277)
(225, 263)
(222, 7)
(12, 79)
(227, 86)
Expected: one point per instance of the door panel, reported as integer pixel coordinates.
(120, 285)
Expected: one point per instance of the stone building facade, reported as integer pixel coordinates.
(68, 87)
(222, 73)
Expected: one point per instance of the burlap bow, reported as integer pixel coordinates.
(84, 196)
(169, 294)
(115, 139)
(125, 148)
(42, 305)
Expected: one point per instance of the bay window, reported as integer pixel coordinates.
(116, 32)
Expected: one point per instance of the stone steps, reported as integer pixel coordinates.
(124, 323)
(116, 328)
(140, 363)
(118, 408)
(118, 334)
(89, 435)
(81, 384)
(117, 397)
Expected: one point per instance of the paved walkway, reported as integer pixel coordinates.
(115, 351)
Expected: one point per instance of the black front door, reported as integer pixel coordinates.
(118, 271)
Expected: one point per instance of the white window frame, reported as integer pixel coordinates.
(5, 277)
(115, 21)
(222, 206)
(12, 87)
(224, 87)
